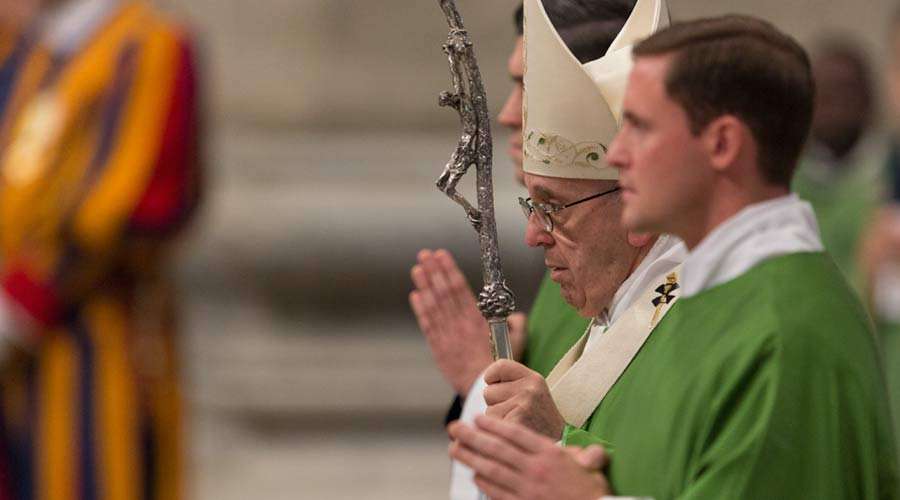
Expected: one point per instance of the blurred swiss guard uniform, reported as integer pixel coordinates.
(98, 171)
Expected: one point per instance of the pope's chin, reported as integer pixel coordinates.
(573, 298)
(565, 287)
(577, 301)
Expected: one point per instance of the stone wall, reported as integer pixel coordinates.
(376, 64)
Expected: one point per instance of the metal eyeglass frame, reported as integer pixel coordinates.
(545, 210)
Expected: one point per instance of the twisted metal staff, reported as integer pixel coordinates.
(467, 97)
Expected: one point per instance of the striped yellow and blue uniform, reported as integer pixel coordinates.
(99, 171)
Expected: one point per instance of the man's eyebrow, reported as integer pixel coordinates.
(517, 78)
(543, 193)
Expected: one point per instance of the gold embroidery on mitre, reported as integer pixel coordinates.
(37, 131)
(555, 150)
(665, 295)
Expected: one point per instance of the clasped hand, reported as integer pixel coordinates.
(518, 394)
(511, 462)
(448, 316)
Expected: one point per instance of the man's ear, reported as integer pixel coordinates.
(723, 140)
(640, 240)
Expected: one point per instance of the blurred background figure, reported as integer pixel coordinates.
(879, 255)
(843, 170)
(99, 171)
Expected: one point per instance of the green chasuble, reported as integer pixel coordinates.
(766, 386)
(553, 327)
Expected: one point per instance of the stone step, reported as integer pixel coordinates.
(252, 364)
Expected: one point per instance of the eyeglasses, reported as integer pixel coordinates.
(545, 210)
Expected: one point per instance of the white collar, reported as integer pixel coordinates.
(667, 252)
(760, 231)
(68, 27)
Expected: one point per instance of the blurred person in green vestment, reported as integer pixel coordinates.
(842, 170)
(879, 256)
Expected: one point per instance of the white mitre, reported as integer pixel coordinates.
(572, 111)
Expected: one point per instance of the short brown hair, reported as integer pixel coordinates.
(745, 67)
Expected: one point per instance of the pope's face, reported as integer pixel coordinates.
(511, 114)
(587, 252)
(663, 169)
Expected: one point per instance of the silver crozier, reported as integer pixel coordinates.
(468, 98)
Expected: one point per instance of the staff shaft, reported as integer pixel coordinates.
(475, 147)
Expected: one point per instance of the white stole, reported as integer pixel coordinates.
(583, 377)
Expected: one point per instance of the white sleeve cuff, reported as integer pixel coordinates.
(462, 482)
(475, 404)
